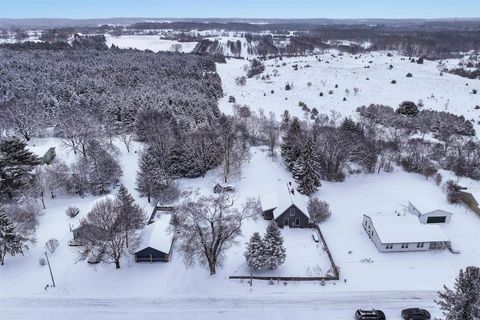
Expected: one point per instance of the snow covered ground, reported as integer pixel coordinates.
(444, 93)
(150, 42)
(368, 278)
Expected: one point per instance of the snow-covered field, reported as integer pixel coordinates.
(391, 281)
(150, 42)
(444, 93)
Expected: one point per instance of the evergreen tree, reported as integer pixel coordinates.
(130, 214)
(274, 251)
(151, 179)
(16, 164)
(255, 252)
(306, 170)
(476, 307)
(462, 302)
(291, 146)
(10, 241)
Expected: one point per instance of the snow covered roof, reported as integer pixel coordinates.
(282, 201)
(406, 229)
(426, 206)
(156, 235)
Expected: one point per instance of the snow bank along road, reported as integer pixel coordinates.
(328, 306)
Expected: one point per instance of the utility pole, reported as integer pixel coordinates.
(49, 268)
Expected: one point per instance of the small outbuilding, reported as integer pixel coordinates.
(430, 216)
(286, 209)
(403, 234)
(156, 241)
(49, 156)
(218, 188)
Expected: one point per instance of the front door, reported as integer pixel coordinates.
(286, 223)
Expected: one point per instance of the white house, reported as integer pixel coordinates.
(430, 216)
(403, 233)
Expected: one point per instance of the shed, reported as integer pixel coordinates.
(430, 215)
(49, 156)
(286, 209)
(393, 233)
(156, 241)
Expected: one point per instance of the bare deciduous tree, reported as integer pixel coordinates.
(207, 226)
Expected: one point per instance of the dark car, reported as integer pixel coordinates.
(369, 314)
(415, 314)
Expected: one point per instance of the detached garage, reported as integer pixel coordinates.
(430, 216)
(156, 241)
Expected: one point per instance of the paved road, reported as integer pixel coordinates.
(328, 306)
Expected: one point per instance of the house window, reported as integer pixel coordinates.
(292, 211)
(404, 245)
(297, 221)
(285, 222)
(389, 246)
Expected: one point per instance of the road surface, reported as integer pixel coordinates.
(328, 306)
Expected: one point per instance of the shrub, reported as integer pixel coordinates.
(452, 191)
(321, 94)
(474, 91)
(288, 87)
(393, 81)
(318, 210)
(241, 81)
(420, 60)
(409, 75)
(231, 99)
(438, 179)
(256, 68)
(72, 212)
(51, 245)
(408, 108)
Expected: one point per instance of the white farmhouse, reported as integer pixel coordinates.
(403, 233)
(430, 216)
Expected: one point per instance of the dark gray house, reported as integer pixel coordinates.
(287, 210)
(156, 241)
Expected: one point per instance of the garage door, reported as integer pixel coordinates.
(441, 219)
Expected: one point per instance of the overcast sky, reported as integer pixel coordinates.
(239, 8)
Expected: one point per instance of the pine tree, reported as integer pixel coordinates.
(16, 164)
(274, 251)
(10, 241)
(306, 170)
(460, 303)
(291, 146)
(130, 214)
(147, 176)
(476, 307)
(255, 252)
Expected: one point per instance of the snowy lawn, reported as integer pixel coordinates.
(305, 257)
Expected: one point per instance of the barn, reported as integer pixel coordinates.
(393, 233)
(286, 209)
(431, 215)
(156, 241)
